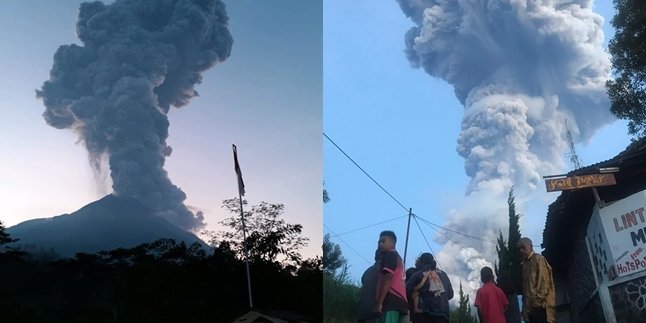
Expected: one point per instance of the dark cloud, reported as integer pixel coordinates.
(137, 59)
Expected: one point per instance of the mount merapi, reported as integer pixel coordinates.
(109, 223)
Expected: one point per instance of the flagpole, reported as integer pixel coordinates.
(244, 229)
(246, 255)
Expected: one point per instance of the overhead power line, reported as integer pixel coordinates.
(457, 232)
(375, 181)
(472, 250)
(392, 197)
(347, 244)
(431, 225)
(370, 226)
(427, 244)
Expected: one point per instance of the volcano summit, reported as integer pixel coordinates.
(109, 223)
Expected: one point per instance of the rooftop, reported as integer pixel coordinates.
(568, 216)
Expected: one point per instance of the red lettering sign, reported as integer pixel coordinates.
(631, 265)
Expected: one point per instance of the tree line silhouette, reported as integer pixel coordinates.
(165, 280)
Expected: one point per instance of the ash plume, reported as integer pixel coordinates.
(521, 68)
(137, 59)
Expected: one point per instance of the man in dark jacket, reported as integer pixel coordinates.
(366, 305)
(429, 291)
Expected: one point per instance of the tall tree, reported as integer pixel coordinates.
(503, 256)
(268, 236)
(509, 259)
(627, 91)
(462, 314)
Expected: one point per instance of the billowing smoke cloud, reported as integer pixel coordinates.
(521, 68)
(138, 59)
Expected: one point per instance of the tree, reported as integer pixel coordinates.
(268, 236)
(4, 236)
(8, 252)
(340, 295)
(332, 256)
(160, 281)
(509, 259)
(326, 196)
(503, 256)
(462, 314)
(627, 91)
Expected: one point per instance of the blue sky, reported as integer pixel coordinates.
(266, 98)
(397, 122)
(401, 125)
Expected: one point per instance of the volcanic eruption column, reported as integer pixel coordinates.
(138, 59)
(520, 68)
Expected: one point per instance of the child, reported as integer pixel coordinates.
(491, 302)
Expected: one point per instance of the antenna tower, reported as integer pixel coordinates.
(572, 155)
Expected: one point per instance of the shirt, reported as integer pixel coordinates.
(491, 302)
(538, 286)
(395, 299)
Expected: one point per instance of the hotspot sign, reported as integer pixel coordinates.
(624, 224)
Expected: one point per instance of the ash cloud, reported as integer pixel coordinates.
(521, 68)
(137, 59)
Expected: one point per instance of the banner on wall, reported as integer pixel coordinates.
(624, 223)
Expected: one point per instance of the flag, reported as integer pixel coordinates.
(238, 172)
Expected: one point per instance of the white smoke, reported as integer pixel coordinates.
(521, 68)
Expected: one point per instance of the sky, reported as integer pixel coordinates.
(266, 98)
(401, 125)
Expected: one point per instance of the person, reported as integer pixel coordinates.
(490, 302)
(429, 290)
(391, 304)
(506, 284)
(368, 291)
(410, 271)
(538, 285)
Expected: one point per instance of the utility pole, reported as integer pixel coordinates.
(410, 215)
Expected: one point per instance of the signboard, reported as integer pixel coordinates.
(624, 223)
(574, 182)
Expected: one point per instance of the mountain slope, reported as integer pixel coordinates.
(109, 223)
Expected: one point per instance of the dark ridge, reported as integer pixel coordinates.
(109, 223)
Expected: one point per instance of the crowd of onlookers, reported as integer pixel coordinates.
(391, 294)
